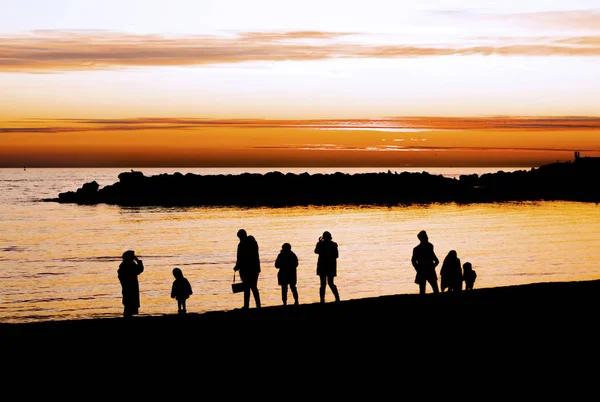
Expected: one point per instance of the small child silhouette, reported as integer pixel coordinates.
(469, 275)
(181, 290)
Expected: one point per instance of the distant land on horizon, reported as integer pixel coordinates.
(283, 166)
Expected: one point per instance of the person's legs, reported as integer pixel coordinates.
(284, 290)
(256, 295)
(130, 311)
(294, 293)
(253, 286)
(422, 287)
(323, 280)
(434, 285)
(333, 288)
(246, 296)
(183, 309)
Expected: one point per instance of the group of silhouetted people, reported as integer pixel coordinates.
(452, 273)
(129, 270)
(424, 260)
(248, 265)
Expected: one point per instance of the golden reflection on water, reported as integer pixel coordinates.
(67, 266)
(59, 261)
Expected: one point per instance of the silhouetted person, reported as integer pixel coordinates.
(451, 273)
(469, 275)
(181, 290)
(424, 261)
(248, 264)
(287, 262)
(128, 272)
(327, 265)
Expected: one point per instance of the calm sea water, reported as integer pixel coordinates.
(59, 261)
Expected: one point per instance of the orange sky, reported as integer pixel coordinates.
(418, 141)
(298, 83)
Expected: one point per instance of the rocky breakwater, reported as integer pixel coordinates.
(560, 181)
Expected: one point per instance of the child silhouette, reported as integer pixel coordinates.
(181, 290)
(469, 275)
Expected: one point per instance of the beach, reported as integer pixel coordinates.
(514, 339)
(565, 308)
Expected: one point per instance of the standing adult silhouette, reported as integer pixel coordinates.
(451, 273)
(248, 265)
(327, 250)
(425, 261)
(128, 272)
(287, 262)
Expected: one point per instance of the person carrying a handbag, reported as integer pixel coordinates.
(248, 266)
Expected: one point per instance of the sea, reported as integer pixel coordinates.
(59, 261)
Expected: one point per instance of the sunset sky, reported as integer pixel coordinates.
(134, 83)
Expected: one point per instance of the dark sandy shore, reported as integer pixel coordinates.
(565, 307)
(511, 339)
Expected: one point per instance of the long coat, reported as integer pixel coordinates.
(424, 261)
(327, 261)
(130, 289)
(248, 260)
(287, 262)
(451, 274)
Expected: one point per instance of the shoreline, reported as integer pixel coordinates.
(568, 307)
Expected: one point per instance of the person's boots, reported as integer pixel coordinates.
(322, 294)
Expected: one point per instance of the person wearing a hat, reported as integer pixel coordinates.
(128, 272)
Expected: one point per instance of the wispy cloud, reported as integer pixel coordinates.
(570, 19)
(393, 124)
(59, 51)
(334, 147)
(556, 20)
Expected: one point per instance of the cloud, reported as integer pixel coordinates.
(569, 19)
(60, 51)
(393, 124)
(392, 148)
(588, 20)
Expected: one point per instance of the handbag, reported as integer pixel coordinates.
(237, 287)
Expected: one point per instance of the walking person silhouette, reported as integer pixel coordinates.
(128, 272)
(181, 290)
(425, 261)
(248, 265)
(327, 250)
(287, 262)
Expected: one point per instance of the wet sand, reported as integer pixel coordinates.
(564, 307)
